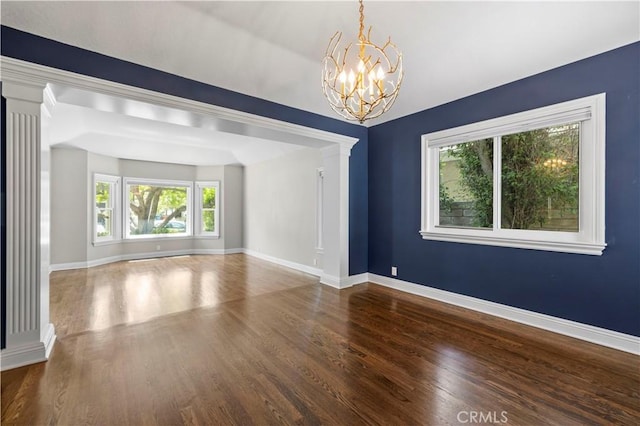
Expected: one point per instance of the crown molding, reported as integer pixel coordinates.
(36, 75)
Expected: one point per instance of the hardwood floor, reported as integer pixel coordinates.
(236, 340)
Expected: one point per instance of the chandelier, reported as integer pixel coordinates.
(361, 81)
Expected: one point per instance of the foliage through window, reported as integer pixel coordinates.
(105, 202)
(157, 208)
(539, 181)
(530, 180)
(208, 194)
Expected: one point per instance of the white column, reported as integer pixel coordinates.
(30, 336)
(335, 162)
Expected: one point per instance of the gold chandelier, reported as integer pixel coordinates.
(362, 81)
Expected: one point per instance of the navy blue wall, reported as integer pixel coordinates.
(28, 47)
(603, 291)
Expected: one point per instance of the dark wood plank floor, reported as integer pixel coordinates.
(236, 340)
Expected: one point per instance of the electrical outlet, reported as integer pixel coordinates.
(394, 271)
(157, 247)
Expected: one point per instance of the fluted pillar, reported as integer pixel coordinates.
(29, 334)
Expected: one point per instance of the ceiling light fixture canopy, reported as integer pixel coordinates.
(362, 80)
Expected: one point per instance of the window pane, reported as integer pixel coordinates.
(103, 225)
(103, 204)
(208, 221)
(540, 179)
(208, 198)
(157, 210)
(466, 184)
(103, 195)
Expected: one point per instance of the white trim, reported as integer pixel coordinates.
(565, 112)
(149, 255)
(116, 211)
(597, 335)
(352, 280)
(345, 282)
(35, 74)
(198, 230)
(20, 356)
(590, 112)
(113, 259)
(330, 280)
(217, 251)
(49, 339)
(282, 262)
(29, 353)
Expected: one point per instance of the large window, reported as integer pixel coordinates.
(207, 203)
(157, 208)
(105, 207)
(530, 180)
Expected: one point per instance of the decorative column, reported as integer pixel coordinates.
(29, 335)
(335, 225)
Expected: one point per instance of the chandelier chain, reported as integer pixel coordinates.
(361, 32)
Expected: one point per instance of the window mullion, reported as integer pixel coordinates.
(497, 183)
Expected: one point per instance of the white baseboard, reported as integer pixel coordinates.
(20, 356)
(293, 265)
(139, 256)
(217, 251)
(330, 280)
(49, 340)
(600, 336)
(340, 283)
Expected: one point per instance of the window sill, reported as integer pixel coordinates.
(106, 242)
(206, 237)
(594, 249)
(159, 237)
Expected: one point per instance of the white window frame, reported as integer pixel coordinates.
(155, 182)
(199, 209)
(590, 238)
(114, 182)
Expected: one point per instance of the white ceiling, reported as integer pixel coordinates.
(129, 129)
(273, 50)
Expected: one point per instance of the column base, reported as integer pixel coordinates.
(29, 353)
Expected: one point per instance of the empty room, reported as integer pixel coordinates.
(320, 212)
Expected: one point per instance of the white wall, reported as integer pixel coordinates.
(69, 203)
(231, 189)
(72, 173)
(233, 206)
(280, 207)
